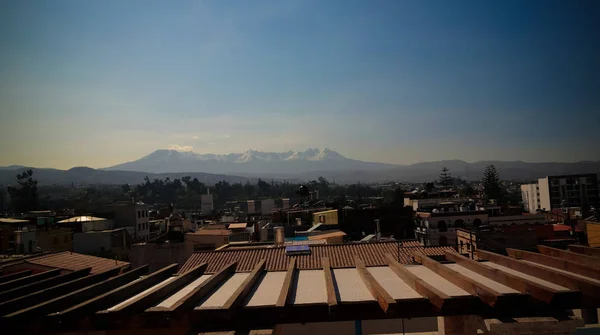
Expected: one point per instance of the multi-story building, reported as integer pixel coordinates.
(561, 191)
(439, 227)
(206, 204)
(133, 216)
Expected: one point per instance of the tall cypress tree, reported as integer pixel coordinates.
(491, 183)
(445, 177)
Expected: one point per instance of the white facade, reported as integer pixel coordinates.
(530, 194)
(206, 204)
(251, 208)
(550, 192)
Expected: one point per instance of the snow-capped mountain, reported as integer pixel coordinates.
(251, 161)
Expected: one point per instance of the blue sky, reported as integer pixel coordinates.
(96, 83)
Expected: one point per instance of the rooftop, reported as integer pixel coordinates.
(340, 255)
(327, 235)
(70, 261)
(212, 232)
(83, 218)
(10, 220)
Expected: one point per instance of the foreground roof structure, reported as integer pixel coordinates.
(522, 284)
(66, 261)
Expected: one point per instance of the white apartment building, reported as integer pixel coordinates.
(558, 191)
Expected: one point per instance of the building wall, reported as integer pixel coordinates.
(429, 233)
(25, 241)
(544, 188)
(97, 225)
(92, 243)
(515, 220)
(136, 216)
(60, 239)
(577, 190)
(267, 206)
(593, 234)
(206, 204)
(159, 255)
(205, 240)
(530, 196)
(327, 217)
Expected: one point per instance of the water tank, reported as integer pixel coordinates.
(279, 235)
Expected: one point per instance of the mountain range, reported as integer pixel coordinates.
(292, 165)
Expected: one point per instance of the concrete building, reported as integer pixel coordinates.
(439, 228)
(85, 223)
(133, 216)
(55, 239)
(8, 227)
(554, 192)
(206, 204)
(106, 243)
(267, 206)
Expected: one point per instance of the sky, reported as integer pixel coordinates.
(98, 83)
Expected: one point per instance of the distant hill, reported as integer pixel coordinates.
(293, 166)
(90, 176)
(249, 162)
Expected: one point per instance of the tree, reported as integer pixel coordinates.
(491, 183)
(25, 197)
(466, 191)
(445, 178)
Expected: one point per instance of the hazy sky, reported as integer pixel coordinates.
(97, 83)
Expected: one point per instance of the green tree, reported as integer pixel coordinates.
(491, 183)
(25, 197)
(446, 178)
(466, 191)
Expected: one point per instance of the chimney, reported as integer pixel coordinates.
(279, 235)
(378, 230)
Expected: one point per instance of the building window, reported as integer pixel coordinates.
(139, 214)
(139, 226)
(442, 226)
(477, 222)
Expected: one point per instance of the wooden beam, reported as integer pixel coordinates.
(588, 261)
(287, 284)
(554, 262)
(139, 304)
(53, 292)
(580, 249)
(242, 292)
(9, 285)
(118, 294)
(193, 297)
(384, 299)
(485, 293)
(520, 284)
(329, 287)
(587, 287)
(42, 284)
(435, 296)
(16, 275)
(76, 297)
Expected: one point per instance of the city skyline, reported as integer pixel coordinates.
(98, 84)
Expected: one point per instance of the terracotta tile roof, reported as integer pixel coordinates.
(74, 261)
(340, 256)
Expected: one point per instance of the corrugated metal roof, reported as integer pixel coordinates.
(340, 256)
(74, 261)
(84, 218)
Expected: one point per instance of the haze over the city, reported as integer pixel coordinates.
(99, 83)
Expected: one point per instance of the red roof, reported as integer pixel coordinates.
(561, 227)
(340, 256)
